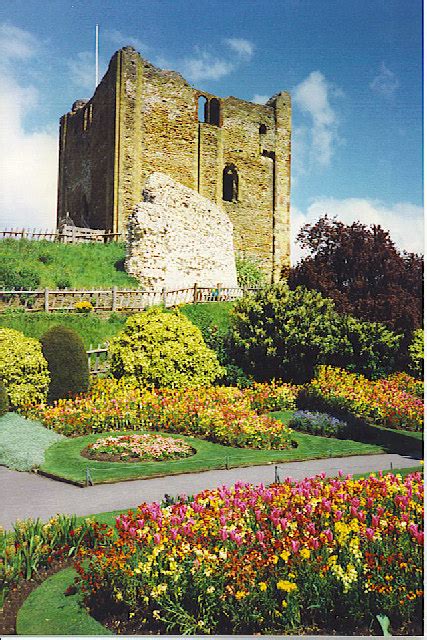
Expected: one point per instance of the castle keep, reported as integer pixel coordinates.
(142, 120)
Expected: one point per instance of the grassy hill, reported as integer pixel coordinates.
(96, 328)
(72, 266)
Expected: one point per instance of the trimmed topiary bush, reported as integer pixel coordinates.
(4, 400)
(66, 356)
(23, 369)
(162, 349)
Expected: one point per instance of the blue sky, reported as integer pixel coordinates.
(353, 68)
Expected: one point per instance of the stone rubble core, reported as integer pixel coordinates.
(176, 238)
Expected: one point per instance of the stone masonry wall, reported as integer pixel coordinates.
(177, 238)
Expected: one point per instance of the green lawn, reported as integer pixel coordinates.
(94, 328)
(63, 459)
(47, 611)
(76, 266)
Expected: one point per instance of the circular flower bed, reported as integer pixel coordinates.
(137, 448)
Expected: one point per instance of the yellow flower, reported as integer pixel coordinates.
(305, 553)
(284, 604)
(285, 585)
(284, 555)
(240, 595)
(263, 586)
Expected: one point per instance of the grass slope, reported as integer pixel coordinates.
(82, 266)
(63, 459)
(23, 442)
(93, 328)
(47, 611)
(96, 328)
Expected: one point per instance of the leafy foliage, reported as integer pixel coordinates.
(67, 361)
(23, 368)
(249, 272)
(15, 277)
(284, 333)
(163, 350)
(363, 272)
(416, 353)
(4, 400)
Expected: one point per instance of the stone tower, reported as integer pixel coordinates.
(142, 119)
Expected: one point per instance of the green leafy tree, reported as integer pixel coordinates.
(66, 356)
(374, 348)
(162, 349)
(23, 369)
(416, 354)
(249, 272)
(284, 333)
(280, 333)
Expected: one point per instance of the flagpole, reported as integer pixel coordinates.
(96, 54)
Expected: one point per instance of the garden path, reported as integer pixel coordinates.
(25, 495)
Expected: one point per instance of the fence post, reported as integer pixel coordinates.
(164, 296)
(218, 286)
(46, 300)
(89, 359)
(114, 298)
(195, 293)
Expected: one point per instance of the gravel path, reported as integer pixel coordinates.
(25, 495)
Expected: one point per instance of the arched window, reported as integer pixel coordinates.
(214, 112)
(230, 183)
(262, 129)
(202, 109)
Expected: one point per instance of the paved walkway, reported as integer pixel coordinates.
(25, 495)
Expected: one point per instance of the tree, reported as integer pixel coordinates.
(360, 269)
(66, 357)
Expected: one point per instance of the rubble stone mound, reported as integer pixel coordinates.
(176, 238)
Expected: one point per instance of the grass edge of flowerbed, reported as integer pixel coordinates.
(205, 465)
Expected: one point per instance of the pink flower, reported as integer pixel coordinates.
(370, 533)
(295, 545)
(260, 536)
(157, 538)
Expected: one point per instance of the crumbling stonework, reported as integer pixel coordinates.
(143, 119)
(177, 238)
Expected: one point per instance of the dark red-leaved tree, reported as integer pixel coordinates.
(360, 268)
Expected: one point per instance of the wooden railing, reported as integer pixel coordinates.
(66, 234)
(115, 299)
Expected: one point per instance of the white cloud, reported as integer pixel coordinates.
(82, 70)
(312, 97)
(260, 99)
(16, 44)
(28, 161)
(242, 47)
(205, 64)
(385, 83)
(122, 40)
(403, 220)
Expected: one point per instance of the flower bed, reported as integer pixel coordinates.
(313, 554)
(385, 402)
(138, 448)
(318, 424)
(33, 545)
(225, 415)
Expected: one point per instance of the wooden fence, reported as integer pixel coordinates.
(66, 234)
(98, 359)
(114, 299)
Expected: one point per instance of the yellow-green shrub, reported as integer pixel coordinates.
(162, 349)
(23, 368)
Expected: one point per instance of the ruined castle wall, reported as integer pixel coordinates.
(177, 238)
(86, 168)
